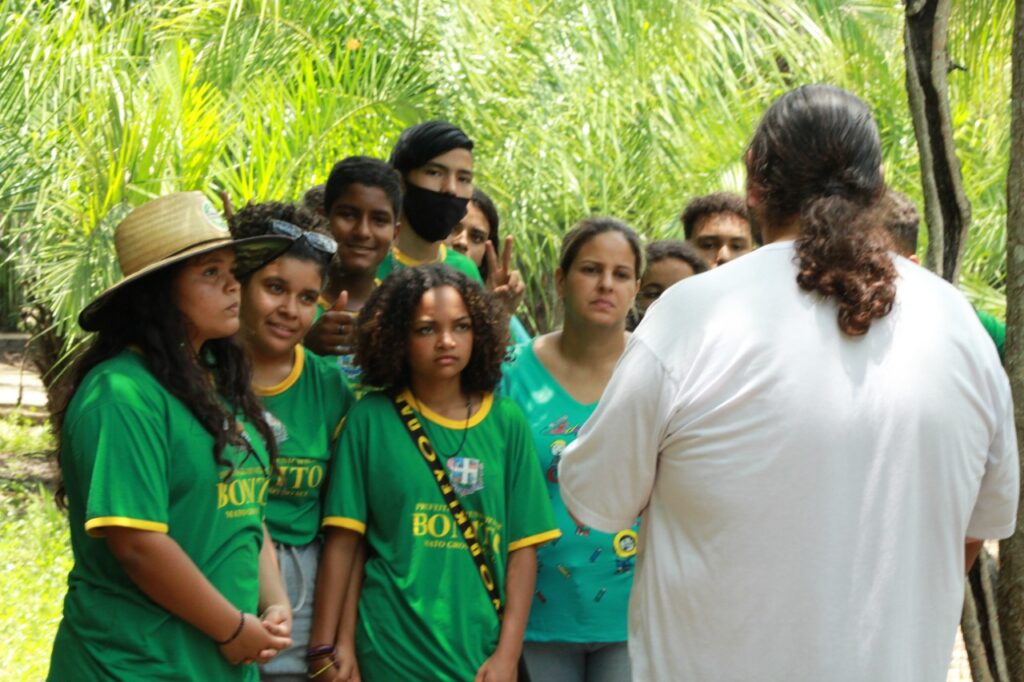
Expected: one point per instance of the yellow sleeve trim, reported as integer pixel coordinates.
(94, 526)
(343, 522)
(454, 424)
(538, 539)
(289, 381)
(337, 429)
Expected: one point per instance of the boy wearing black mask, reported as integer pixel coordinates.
(435, 160)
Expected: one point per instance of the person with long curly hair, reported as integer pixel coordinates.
(434, 341)
(166, 457)
(304, 398)
(818, 450)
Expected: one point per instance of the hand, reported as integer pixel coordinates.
(254, 643)
(335, 332)
(277, 620)
(502, 281)
(500, 667)
(347, 668)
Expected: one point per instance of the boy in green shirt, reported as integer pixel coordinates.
(435, 160)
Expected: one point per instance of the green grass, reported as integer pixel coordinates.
(22, 436)
(35, 554)
(34, 544)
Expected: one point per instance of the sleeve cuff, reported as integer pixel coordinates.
(538, 539)
(344, 522)
(94, 527)
(996, 533)
(591, 518)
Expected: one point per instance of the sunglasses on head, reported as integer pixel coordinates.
(320, 242)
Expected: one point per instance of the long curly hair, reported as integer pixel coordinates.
(817, 156)
(143, 316)
(385, 324)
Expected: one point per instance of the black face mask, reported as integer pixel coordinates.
(432, 215)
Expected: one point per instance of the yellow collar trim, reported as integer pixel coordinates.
(410, 262)
(289, 381)
(455, 424)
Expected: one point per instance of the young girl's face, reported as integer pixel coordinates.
(471, 234)
(206, 293)
(601, 282)
(441, 336)
(279, 303)
(658, 277)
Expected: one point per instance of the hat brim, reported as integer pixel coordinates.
(251, 254)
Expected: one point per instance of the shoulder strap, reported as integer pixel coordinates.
(437, 469)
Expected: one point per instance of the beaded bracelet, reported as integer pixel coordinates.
(241, 625)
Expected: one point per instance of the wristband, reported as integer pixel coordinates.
(318, 651)
(238, 631)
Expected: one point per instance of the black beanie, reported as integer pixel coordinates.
(422, 142)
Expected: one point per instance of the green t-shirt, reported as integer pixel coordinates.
(996, 330)
(305, 412)
(134, 456)
(584, 577)
(396, 260)
(424, 613)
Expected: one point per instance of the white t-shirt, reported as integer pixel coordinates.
(805, 494)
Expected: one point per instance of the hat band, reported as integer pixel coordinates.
(193, 245)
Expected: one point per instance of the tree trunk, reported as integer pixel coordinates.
(946, 209)
(1011, 552)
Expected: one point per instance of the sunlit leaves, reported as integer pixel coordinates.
(620, 107)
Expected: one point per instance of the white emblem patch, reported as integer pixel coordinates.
(466, 474)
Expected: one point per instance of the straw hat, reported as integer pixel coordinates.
(170, 229)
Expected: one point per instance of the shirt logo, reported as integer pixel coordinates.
(466, 475)
(216, 219)
(561, 427)
(277, 427)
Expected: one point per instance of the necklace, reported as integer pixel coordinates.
(465, 426)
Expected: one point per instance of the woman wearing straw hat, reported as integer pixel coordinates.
(165, 458)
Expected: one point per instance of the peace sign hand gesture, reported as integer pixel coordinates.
(503, 282)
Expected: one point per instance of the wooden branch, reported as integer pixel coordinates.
(946, 208)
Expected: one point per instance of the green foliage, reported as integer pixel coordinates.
(22, 436)
(618, 107)
(35, 547)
